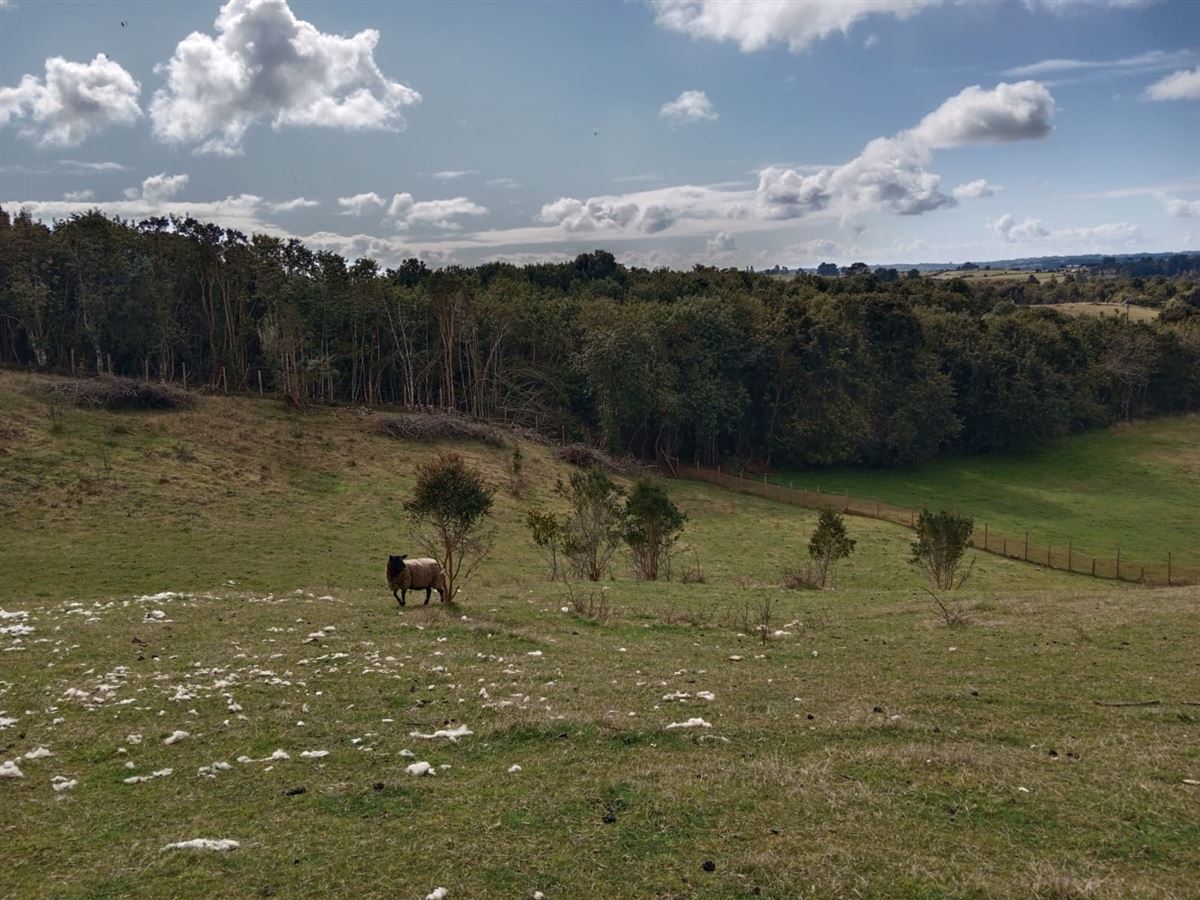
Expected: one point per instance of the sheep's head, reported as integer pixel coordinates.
(396, 563)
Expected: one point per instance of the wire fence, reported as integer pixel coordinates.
(1065, 557)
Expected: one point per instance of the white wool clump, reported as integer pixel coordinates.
(278, 754)
(176, 737)
(513, 769)
(222, 844)
(706, 695)
(534, 653)
(63, 783)
(690, 723)
(451, 734)
(133, 739)
(408, 753)
(7, 722)
(156, 598)
(9, 769)
(138, 779)
(437, 894)
(39, 753)
(211, 770)
(314, 754)
(420, 768)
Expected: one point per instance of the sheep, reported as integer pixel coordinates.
(406, 575)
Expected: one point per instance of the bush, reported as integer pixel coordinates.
(547, 532)
(585, 457)
(427, 428)
(942, 541)
(451, 503)
(652, 523)
(829, 545)
(592, 529)
(114, 393)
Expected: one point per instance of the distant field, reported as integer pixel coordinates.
(1111, 310)
(1134, 486)
(992, 274)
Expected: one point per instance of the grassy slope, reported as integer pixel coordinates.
(1136, 486)
(814, 791)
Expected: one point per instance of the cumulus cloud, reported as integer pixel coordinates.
(754, 25)
(1014, 232)
(361, 203)
(1007, 112)
(293, 204)
(73, 102)
(1031, 230)
(1181, 209)
(405, 212)
(1181, 85)
(721, 242)
(975, 190)
(689, 106)
(264, 64)
(160, 187)
(787, 194)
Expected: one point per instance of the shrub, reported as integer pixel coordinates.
(942, 541)
(114, 393)
(547, 532)
(652, 523)
(428, 428)
(451, 503)
(805, 577)
(516, 471)
(829, 545)
(592, 529)
(585, 457)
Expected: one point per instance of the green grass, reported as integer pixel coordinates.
(800, 787)
(1134, 486)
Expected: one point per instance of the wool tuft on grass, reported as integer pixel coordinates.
(219, 844)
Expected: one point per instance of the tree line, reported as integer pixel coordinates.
(705, 366)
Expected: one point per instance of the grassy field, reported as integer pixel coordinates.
(1110, 310)
(220, 572)
(1135, 486)
(992, 274)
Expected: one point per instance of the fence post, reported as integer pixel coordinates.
(1049, 564)
(72, 360)
(1027, 546)
(1004, 548)
(1168, 568)
(985, 537)
(912, 518)
(145, 368)
(260, 390)
(1069, 554)
(1118, 562)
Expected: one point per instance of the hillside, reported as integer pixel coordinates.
(219, 572)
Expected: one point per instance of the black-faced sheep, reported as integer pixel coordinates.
(406, 575)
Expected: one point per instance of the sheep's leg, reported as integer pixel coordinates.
(399, 597)
(427, 593)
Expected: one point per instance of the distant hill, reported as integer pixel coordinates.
(1032, 263)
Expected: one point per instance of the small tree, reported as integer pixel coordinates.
(547, 531)
(942, 539)
(829, 545)
(652, 524)
(451, 503)
(592, 528)
(516, 471)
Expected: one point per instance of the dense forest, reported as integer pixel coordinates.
(706, 365)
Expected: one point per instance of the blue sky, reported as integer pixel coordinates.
(670, 132)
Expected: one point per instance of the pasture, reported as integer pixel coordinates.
(1136, 486)
(220, 572)
(1133, 312)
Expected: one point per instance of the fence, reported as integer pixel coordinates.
(1067, 558)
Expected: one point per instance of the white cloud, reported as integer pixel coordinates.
(1153, 59)
(244, 212)
(816, 250)
(361, 203)
(435, 213)
(975, 190)
(293, 204)
(1007, 112)
(1014, 232)
(721, 242)
(506, 183)
(162, 186)
(449, 174)
(77, 167)
(754, 25)
(1181, 85)
(1142, 191)
(1181, 209)
(1032, 230)
(1067, 7)
(75, 101)
(267, 65)
(79, 196)
(787, 194)
(689, 106)
(870, 41)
